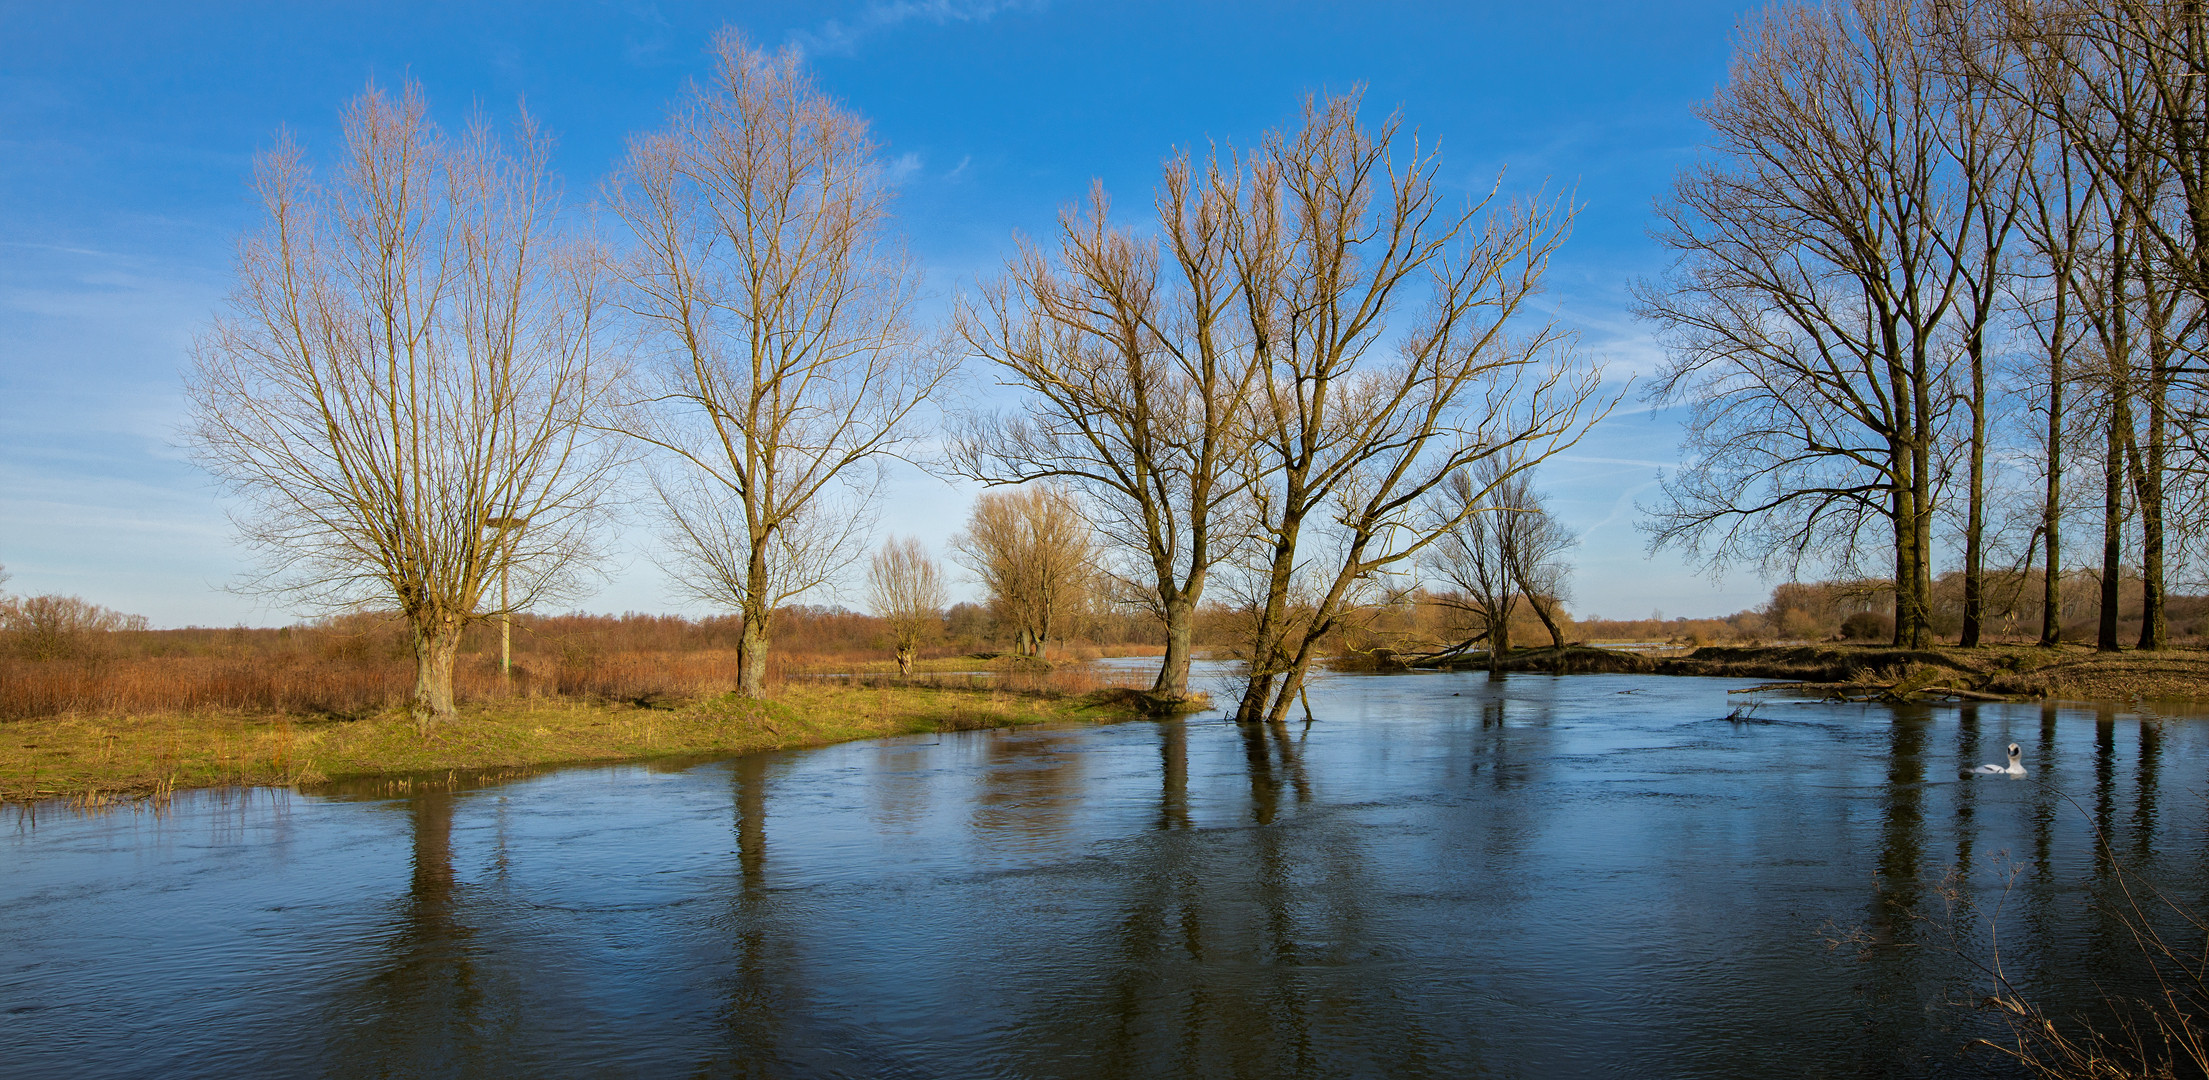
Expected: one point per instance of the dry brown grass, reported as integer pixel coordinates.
(325, 682)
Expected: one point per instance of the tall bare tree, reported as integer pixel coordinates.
(1825, 248)
(1031, 548)
(410, 353)
(1132, 373)
(2130, 82)
(2058, 221)
(906, 591)
(1990, 146)
(1357, 416)
(765, 275)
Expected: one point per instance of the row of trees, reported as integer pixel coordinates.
(1312, 367)
(1944, 255)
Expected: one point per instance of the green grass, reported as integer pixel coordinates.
(93, 759)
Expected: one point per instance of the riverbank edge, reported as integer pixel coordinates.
(92, 761)
(2006, 672)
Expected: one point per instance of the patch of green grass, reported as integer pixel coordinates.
(97, 758)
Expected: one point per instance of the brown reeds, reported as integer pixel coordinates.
(312, 683)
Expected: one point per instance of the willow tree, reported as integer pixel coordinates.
(1031, 547)
(780, 306)
(1125, 352)
(1504, 546)
(403, 387)
(1392, 350)
(906, 592)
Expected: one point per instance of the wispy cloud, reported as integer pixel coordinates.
(842, 37)
(646, 43)
(904, 167)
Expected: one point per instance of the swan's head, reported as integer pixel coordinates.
(2014, 751)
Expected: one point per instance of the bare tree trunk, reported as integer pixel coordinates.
(751, 658)
(1499, 640)
(2154, 622)
(1912, 588)
(2148, 475)
(436, 644)
(1542, 610)
(1975, 512)
(2113, 522)
(2117, 367)
(2051, 513)
(1921, 481)
(1267, 658)
(1173, 673)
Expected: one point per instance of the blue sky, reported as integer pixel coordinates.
(127, 133)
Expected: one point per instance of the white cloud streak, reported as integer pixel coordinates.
(842, 37)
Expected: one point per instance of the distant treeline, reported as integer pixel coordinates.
(1861, 610)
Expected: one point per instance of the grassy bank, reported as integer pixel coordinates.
(2018, 672)
(92, 759)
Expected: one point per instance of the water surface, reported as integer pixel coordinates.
(1441, 876)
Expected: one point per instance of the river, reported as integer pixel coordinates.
(1439, 876)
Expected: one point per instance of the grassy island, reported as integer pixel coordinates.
(94, 759)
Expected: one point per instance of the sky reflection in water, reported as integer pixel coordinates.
(1443, 876)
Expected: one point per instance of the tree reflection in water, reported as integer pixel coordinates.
(1236, 951)
(1544, 877)
(434, 1009)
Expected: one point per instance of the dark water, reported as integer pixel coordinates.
(1592, 875)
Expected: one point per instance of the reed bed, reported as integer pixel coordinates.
(319, 686)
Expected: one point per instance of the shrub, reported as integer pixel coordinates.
(1868, 626)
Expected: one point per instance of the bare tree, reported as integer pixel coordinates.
(1825, 250)
(1031, 548)
(906, 591)
(2058, 219)
(1133, 375)
(55, 627)
(1534, 545)
(1989, 148)
(1503, 547)
(765, 274)
(2125, 84)
(410, 352)
(1354, 419)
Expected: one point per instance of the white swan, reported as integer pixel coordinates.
(2016, 767)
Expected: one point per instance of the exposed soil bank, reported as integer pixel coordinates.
(2011, 672)
(94, 759)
